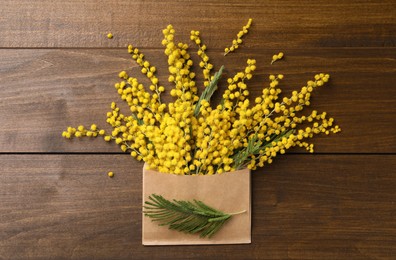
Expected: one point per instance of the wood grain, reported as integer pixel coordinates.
(306, 23)
(304, 207)
(72, 87)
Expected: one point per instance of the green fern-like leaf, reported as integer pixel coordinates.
(190, 217)
(209, 90)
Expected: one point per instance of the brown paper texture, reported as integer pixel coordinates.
(228, 192)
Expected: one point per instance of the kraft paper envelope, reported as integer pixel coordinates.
(228, 192)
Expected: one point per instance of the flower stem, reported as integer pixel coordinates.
(237, 213)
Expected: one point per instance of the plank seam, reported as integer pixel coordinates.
(121, 153)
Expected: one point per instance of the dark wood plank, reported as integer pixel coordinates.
(44, 91)
(304, 207)
(306, 23)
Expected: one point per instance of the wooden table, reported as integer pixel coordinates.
(57, 68)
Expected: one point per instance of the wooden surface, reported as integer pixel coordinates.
(57, 69)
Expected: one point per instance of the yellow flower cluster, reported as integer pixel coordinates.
(191, 136)
(276, 57)
(238, 40)
(204, 63)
